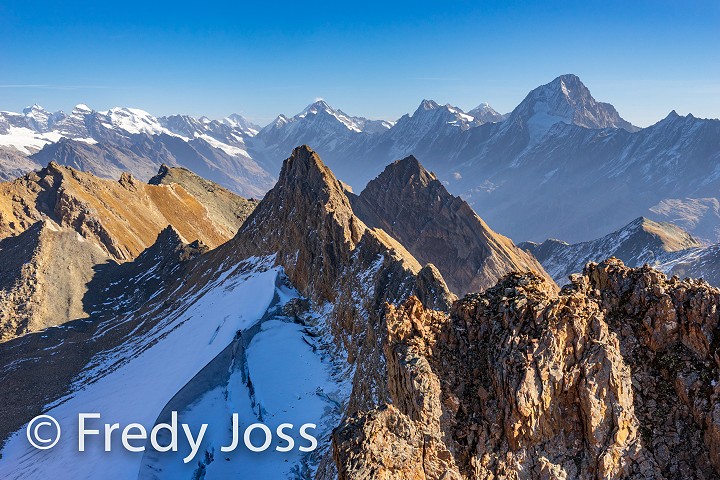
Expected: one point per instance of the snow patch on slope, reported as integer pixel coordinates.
(135, 382)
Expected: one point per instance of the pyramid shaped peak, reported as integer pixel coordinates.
(304, 178)
(302, 163)
(170, 236)
(401, 174)
(566, 99)
(81, 107)
(428, 105)
(407, 168)
(317, 106)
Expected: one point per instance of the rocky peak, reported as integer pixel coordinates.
(485, 113)
(337, 262)
(168, 239)
(170, 248)
(428, 105)
(641, 241)
(405, 172)
(566, 99)
(306, 201)
(610, 379)
(37, 118)
(412, 205)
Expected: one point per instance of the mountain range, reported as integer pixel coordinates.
(519, 171)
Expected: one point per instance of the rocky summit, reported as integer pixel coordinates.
(412, 205)
(612, 378)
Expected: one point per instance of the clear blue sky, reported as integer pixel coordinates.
(376, 59)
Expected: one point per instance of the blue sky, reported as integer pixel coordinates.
(377, 59)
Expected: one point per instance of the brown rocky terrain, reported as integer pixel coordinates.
(615, 377)
(59, 226)
(122, 217)
(413, 206)
(225, 208)
(122, 301)
(43, 276)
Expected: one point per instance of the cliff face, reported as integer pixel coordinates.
(614, 378)
(412, 205)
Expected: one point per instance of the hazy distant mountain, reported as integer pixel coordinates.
(561, 164)
(702, 262)
(640, 242)
(485, 113)
(132, 140)
(436, 227)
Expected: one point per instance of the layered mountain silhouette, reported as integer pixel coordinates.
(560, 165)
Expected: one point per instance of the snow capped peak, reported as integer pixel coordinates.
(485, 113)
(134, 120)
(280, 120)
(33, 108)
(238, 121)
(321, 107)
(428, 105)
(565, 100)
(432, 113)
(81, 107)
(317, 106)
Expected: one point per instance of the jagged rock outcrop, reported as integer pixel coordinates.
(43, 277)
(641, 241)
(615, 377)
(412, 205)
(122, 217)
(334, 259)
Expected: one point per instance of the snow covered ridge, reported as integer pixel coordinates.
(229, 356)
(36, 127)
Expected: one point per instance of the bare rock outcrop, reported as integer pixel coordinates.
(615, 377)
(413, 206)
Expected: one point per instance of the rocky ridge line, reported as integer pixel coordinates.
(615, 377)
